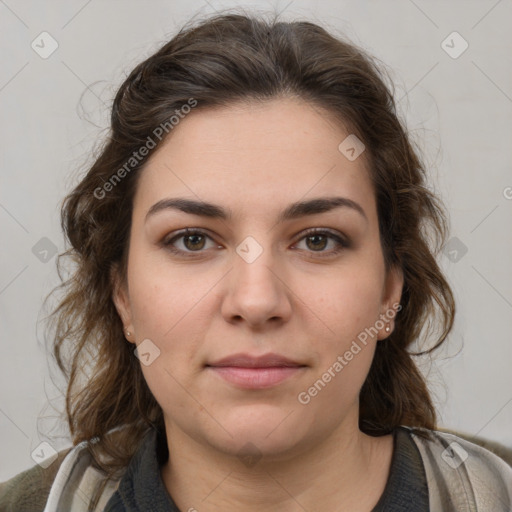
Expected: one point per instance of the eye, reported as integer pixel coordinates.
(315, 240)
(322, 241)
(189, 240)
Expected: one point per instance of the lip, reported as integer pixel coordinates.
(247, 361)
(255, 372)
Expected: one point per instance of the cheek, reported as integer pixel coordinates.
(163, 297)
(172, 315)
(348, 301)
(174, 320)
(349, 307)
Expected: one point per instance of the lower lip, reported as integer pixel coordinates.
(255, 378)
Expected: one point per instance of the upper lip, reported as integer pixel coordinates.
(248, 361)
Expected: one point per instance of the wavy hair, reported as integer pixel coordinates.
(220, 60)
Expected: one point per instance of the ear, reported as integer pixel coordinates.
(392, 293)
(121, 299)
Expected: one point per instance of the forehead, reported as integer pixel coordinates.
(254, 155)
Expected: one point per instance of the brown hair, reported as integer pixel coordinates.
(216, 62)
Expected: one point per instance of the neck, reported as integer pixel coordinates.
(345, 471)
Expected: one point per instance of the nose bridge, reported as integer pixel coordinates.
(256, 292)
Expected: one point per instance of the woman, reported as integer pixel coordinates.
(253, 263)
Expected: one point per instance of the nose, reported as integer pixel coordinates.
(257, 292)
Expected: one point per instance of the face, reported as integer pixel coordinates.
(258, 325)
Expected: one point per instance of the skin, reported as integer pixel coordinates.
(298, 299)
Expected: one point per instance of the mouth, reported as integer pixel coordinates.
(255, 372)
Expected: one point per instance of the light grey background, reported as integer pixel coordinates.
(459, 110)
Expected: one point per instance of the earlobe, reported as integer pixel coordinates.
(391, 300)
(121, 301)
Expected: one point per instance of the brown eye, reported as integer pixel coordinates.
(323, 242)
(194, 242)
(190, 241)
(316, 242)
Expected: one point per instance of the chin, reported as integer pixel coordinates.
(255, 445)
(262, 431)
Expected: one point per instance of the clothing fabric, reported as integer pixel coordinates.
(143, 489)
(441, 473)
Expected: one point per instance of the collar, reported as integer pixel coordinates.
(406, 489)
(142, 487)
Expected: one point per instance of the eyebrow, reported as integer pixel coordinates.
(293, 211)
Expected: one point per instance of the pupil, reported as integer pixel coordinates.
(195, 244)
(316, 239)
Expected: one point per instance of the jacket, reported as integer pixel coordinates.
(444, 473)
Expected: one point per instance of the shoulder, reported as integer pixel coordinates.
(78, 484)
(462, 474)
(61, 486)
(28, 491)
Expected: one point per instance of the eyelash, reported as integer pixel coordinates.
(342, 243)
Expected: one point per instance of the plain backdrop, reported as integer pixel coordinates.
(456, 101)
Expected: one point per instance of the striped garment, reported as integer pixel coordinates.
(445, 473)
